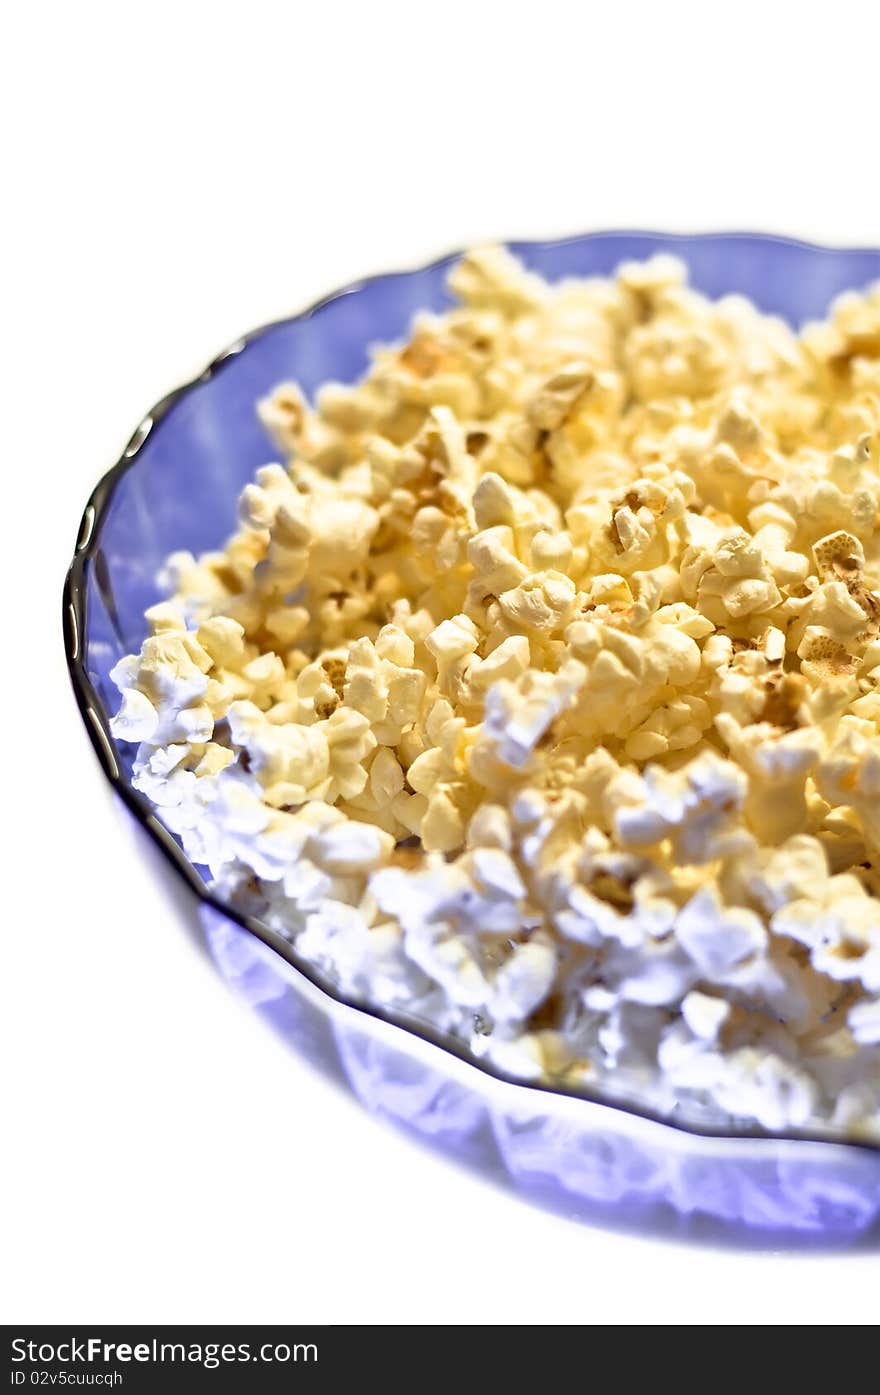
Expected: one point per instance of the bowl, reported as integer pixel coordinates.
(175, 487)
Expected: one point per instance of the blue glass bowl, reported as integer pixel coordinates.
(176, 487)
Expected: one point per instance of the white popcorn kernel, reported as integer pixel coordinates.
(694, 806)
(523, 982)
(350, 847)
(598, 998)
(137, 718)
(496, 871)
(658, 975)
(704, 1015)
(799, 867)
(518, 714)
(762, 1086)
(864, 1022)
(718, 938)
(196, 724)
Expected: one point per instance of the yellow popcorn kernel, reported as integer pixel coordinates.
(386, 777)
(543, 601)
(442, 828)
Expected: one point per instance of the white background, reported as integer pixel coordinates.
(175, 174)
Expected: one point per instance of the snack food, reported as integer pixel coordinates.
(538, 696)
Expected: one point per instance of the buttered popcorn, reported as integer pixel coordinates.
(538, 693)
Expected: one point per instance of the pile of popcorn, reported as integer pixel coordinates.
(538, 694)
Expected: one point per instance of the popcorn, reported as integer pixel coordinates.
(693, 806)
(718, 938)
(537, 694)
(864, 1022)
(704, 1015)
(518, 714)
(523, 982)
(137, 718)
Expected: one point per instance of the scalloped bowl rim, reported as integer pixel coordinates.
(96, 721)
